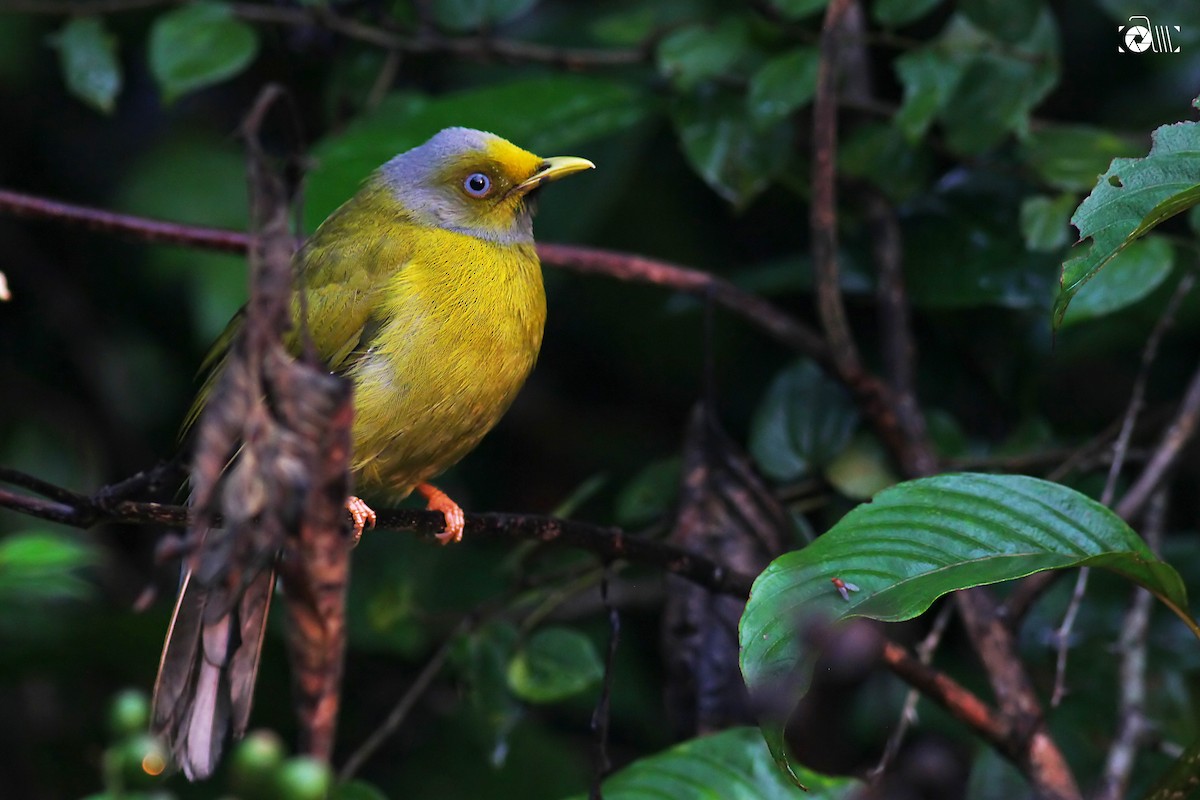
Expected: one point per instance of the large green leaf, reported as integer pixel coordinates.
(890, 13)
(731, 765)
(1008, 20)
(1135, 272)
(88, 55)
(918, 541)
(1133, 197)
(803, 422)
(548, 116)
(199, 45)
(929, 77)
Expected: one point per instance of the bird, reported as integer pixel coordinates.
(424, 290)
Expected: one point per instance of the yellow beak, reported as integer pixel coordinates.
(551, 169)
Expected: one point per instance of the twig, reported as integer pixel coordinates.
(640, 269)
(608, 543)
(823, 216)
(908, 714)
(476, 47)
(407, 702)
(1132, 726)
(1177, 435)
(79, 6)
(899, 347)
(601, 716)
(1137, 399)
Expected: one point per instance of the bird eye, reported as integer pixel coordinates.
(477, 184)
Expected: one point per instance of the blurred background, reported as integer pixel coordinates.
(982, 123)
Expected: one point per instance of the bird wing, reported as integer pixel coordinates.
(341, 270)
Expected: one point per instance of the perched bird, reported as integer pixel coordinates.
(425, 291)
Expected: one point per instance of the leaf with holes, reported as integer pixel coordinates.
(731, 765)
(1133, 197)
(916, 542)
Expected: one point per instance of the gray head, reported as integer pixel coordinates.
(474, 183)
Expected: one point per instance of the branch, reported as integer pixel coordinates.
(1178, 434)
(609, 544)
(481, 48)
(585, 260)
(1132, 725)
(899, 347)
(823, 216)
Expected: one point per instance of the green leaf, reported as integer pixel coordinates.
(554, 664)
(650, 494)
(1046, 221)
(893, 13)
(798, 9)
(1000, 86)
(1071, 157)
(731, 765)
(549, 116)
(961, 249)
(881, 154)
(782, 85)
(199, 45)
(804, 420)
(482, 659)
(918, 541)
(87, 53)
(469, 15)
(1135, 272)
(39, 566)
(697, 53)
(1007, 20)
(732, 154)
(862, 469)
(929, 77)
(1133, 197)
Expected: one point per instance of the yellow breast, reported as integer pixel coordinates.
(453, 335)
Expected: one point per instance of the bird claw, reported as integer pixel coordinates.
(362, 515)
(455, 519)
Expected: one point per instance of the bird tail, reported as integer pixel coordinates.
(206, 676)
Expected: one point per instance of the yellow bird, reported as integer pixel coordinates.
(425, 290)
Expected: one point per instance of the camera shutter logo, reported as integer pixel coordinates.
(1140, 36)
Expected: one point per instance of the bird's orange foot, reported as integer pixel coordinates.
(362, 515)
(440, 501)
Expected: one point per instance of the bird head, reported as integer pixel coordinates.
(475, 183)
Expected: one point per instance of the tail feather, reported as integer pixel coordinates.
(207, 673)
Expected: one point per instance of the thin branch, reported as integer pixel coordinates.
(482, 48)
(908, 714)
(140, 228)
(407, 702)
(1137, 398)
(609, 544)
(1132, 725)
(899, 346)
(79, 6)
(602, 714)
(823, 216)
(1177, 435)
(585, 260)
